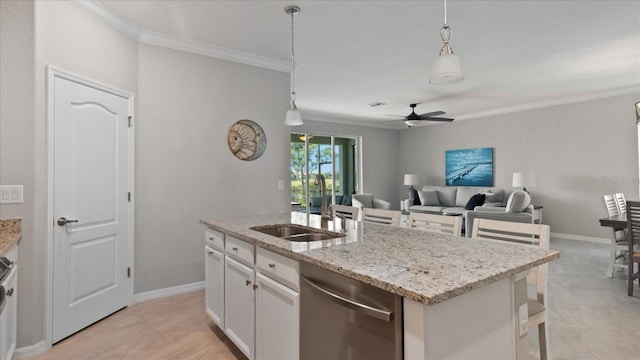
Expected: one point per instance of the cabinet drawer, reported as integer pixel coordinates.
(239, 250)
(278, 267)
(215, 239)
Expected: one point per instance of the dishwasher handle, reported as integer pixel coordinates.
(350, 304)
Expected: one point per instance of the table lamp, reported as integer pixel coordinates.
(524, 180)
(411, 179)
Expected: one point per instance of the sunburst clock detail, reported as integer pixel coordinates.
(247, 140)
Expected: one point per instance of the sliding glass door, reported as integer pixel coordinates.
(336, 158)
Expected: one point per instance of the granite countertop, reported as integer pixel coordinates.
(421, 266)
(10, 234)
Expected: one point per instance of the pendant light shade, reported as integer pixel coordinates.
(446, 69)
(293, 117)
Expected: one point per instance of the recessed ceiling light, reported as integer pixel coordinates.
(377, 103)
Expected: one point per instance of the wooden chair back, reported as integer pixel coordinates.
(436, 223)
(620, 202)
(633, 237)
(380, 216)
(349, 212)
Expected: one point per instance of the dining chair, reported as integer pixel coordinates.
(620, 203)
(619, 245)
(380, 216)
(525, 235)
(633, 231)
(349, 212)
(436, 223)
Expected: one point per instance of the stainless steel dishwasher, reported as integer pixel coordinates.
(341, 318)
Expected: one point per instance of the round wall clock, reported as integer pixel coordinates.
(247, 140)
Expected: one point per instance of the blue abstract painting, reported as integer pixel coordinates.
(469, 167)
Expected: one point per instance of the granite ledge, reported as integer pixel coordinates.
(10, 234)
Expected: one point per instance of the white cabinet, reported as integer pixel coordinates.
(277, 320)
(8, 317)
(277, 306)
(214, 288)
(239, 300)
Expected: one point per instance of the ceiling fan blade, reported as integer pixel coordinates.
(400, 116)
(430, 114)
(438, 119)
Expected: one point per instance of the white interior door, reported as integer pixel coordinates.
(90, 193)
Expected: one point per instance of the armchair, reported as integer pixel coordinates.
(368, 201)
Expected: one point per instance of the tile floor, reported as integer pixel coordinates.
(591, 317)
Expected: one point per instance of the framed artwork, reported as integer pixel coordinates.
(469, 167)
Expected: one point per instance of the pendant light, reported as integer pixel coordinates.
(446, 69)
(293, 117)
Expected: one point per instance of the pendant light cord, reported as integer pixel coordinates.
(293, 60)
(445, 12)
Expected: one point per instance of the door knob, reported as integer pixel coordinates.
(64, 221)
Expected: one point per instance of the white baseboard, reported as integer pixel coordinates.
(33, 350)
(161, 293)
(580, 238)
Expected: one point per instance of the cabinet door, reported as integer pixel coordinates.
(9, 316)
(239, 312)
(277, 320)
(214, 285)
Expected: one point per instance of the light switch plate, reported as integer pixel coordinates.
(280, 185)
(11, 194)
(523, 319)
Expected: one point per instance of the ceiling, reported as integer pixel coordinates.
(515, 55)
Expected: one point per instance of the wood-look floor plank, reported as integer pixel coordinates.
(171, 328)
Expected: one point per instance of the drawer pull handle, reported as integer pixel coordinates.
(210, 252)
(255, 286)
(248, 282)
(235, 249)
(272, 265)
(211, 238)
(10, 292)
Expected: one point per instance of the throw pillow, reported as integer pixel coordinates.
(476, 200)
(413, 194)
(429, 198)
(518, 201)
(491, 197)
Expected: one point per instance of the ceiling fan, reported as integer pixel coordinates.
(414, 119)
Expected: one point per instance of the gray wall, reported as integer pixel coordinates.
(578, 152)
(379, 152)
(184, 168)
(17, 146)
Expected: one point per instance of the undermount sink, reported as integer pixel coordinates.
(293, 232)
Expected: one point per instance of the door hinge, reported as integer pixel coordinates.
(130, 119)
(129, 196)
(128, 272)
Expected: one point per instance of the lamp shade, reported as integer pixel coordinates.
(293, 117)
(411, 179)
(524, 180)
(446, 70)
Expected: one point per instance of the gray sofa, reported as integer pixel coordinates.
(453, 199)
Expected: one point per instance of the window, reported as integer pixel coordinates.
(314, 154)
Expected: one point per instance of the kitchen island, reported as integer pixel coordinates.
(459, 293)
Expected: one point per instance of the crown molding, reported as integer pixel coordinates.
(117, 21)
(104, 13)
(544, 104)
(158, 39)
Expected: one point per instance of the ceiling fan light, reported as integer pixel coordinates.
(412, 123)
(446, 70)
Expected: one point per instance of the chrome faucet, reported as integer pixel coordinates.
(324, 214)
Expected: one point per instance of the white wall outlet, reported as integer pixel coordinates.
(11, 194)
(523, 319)
(280, 185)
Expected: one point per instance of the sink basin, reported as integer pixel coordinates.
(298, 233)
